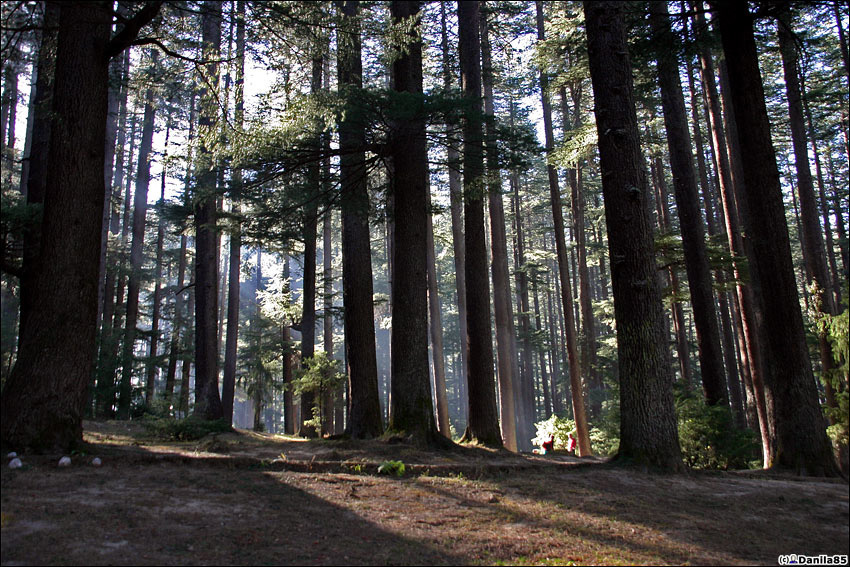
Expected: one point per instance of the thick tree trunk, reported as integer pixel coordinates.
(801, 441)
(648, 432)
(483, 422)
(207, 398)
(411, 411)
(44, 396)
(576, 388)
(364, 412)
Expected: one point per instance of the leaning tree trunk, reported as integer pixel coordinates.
(790, 390)
(648, 432)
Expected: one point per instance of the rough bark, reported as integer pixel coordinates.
(207, 398)
(483, 422)
(44, 396)
(801, 441)
(690, 218)
(364, 412)
(648, 432)
(508, 365)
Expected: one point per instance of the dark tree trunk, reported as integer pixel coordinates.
(790, 390)
(648, 432)
(483, 422)
(582, 432)
(289, 426)
(411, 411)
(44, 396)
(687, 202)
(228, 385)
(508, 365)
(364, 412)
(207, 399)
(435, 322)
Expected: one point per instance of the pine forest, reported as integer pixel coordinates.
(405, 282)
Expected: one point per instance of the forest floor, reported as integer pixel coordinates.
(249, 498)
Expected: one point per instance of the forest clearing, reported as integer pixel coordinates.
(231, 499)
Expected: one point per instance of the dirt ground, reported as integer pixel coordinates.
(247, 498)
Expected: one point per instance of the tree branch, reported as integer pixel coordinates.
(124, 39)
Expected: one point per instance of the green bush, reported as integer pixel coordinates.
(709, 438)
(604, 441)
(320, 376)
(189, 429)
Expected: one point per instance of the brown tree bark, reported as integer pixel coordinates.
(483, 422)
(43, 398)
(690, 218)
(790, 391)
(577, 390)
(435, 322)
(364, 412)
(207, 398)
(508, 365)
(648, 431)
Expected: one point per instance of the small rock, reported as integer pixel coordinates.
(15, 463)
(65, 462)
(11, 455)
(96, 462)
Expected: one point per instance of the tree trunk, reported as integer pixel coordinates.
(648, 432)
(456, 208)
(483, 422)
(508, 364)
(153, 365)
(228, 385)
(140, 207)
(690, 218)
(801, 441)
(207, 399)
(364, 412)
(435, 321)
(44, 396)
(411, 411)
(576, 388)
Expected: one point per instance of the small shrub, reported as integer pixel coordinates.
(391, 468)
(709, 438)
(190, 429)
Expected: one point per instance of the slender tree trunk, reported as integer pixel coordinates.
(508, 364)
(648, 432)
(140, 207)
(435, 321)
(456, 208)
(582, 431)
(153, 365)
(207, 398)
(235, 256)
(690, 219)
(186, 367)
(364, 411)
(483, 422)
(801, 441)
(289, 425)
(176, 325)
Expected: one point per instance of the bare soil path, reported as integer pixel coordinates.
(247, 498)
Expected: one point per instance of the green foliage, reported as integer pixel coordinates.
(709, 438)
(189, 429)
(320, 376)
(604, 441)
(391, 468)
(836, 328)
